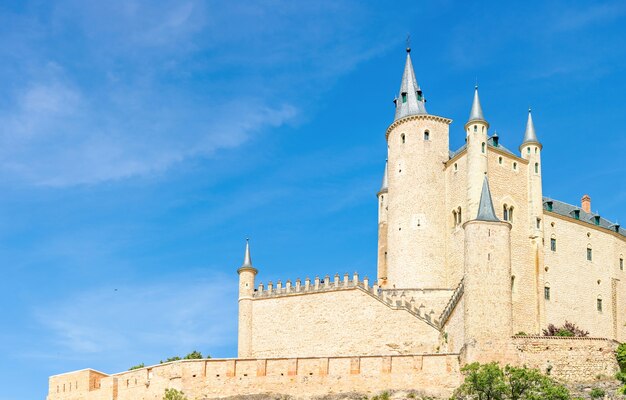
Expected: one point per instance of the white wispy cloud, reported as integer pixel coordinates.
(177, 315)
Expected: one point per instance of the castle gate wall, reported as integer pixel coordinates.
(336, 323)
(570, 359)
(576, 284)
(433, 374)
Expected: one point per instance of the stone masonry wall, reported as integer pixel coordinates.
(570, 359)
(434, 374)
(576, 283)
(342, 322)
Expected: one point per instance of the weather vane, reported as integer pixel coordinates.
(408, 42)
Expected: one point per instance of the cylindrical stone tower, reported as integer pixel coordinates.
(247, 274)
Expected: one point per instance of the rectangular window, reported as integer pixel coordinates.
(546, 293)
(621, 264)
(404, 97)
(538, 223)
(553, 244)
(589, 255)
(599, 305)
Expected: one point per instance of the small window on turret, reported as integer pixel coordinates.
(538, 223)
(535, 150)
(404, 97)
(514, 166)
(426, 135)
(528, 150)
(456, 166)
(403, 138)
(500, 160)
(483, 147)
(536, 168)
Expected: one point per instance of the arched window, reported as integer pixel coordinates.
(536, 168)
(475, 128)
(460, 216)
(621, 263)
(546, 291)
(513, 284)
(505, 212)
(483, 147)
(456, 167)
(403, 138)
(599, 303)
(528, 150)
(511, 214)
(426, 135)
(500, 160)
(589, 253)
(514, 166)
(553, 243)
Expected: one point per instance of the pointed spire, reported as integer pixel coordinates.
(385, 184)
(530, 135)
(247, 260)
(476, 114)
(485, 207)
(411, 100)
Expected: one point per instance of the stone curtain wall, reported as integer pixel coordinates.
(570, 359)
(434, 374)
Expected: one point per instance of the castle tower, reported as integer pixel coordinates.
(487, 280)
(531, 150)
(382, 228)
(247, 274)
(417, 148)
(476, 129)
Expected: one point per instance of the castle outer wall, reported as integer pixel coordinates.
(569, 359)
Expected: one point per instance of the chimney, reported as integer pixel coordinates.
(586, 203)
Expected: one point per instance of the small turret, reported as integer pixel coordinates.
(476, 137)
(383, 201)
(247, 274)
(485, 207)
(411, 100)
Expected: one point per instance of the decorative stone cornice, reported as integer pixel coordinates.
(413, 118)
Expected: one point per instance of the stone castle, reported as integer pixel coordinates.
(473, 262)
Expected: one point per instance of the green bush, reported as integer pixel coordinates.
(136, 366)
(521, 333)
(596, 393)
(491, 382)
(173, 394)
(621, 356)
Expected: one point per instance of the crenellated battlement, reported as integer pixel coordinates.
(394, 299)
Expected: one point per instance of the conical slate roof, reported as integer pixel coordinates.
(247, 260)
(476, 113)
(485, 207)
(410, 101)
(530, 136)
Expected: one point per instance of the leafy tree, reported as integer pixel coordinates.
(194, 355)
(490, 382)
(136, 366)
(175, 358)
(568, 329)
(482, 382)
(173, 394)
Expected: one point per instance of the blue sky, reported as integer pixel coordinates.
(141, 142)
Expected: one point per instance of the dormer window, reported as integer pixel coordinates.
(596, 219)
(576, 214)
(404, 97)
(616, 227)
(549, 205)
(495, 141)
(419, 95)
